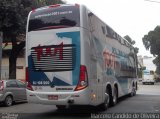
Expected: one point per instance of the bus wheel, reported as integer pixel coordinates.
(104, 106)
(61, 107)
(114, 97)
(133, 92)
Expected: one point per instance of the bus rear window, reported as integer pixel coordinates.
(53, 18)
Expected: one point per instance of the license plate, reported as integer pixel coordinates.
(52, 97)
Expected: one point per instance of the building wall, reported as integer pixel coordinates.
(20, 69)
(5, 68)
(148, 63)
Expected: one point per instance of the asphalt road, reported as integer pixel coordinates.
(147, 100)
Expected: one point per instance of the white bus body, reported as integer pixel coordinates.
(73, 58)
(148, 77)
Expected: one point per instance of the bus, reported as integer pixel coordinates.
(148, 77)
(74, 58)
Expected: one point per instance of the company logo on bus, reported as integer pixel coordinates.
(48, 51)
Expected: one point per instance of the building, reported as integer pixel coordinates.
(148, 63)
(20, 68)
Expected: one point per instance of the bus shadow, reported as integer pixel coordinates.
(79, 111)
(73, 112)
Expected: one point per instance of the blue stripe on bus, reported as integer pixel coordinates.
(75, 36)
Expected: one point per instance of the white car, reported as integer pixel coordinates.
(148, 81)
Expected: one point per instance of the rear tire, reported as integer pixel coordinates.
(8, 101)
(114, 98)
(104, 106)
(133, 93)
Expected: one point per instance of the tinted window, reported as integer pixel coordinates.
(21, 85)
(11, 84)
(56, 17)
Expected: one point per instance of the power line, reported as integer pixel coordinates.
(152, 1)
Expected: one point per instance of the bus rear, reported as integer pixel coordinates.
(54, 72)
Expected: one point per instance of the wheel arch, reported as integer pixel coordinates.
(116, 86)
(109, 88)
(9, 94)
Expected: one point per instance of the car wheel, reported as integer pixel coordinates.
(8, 101)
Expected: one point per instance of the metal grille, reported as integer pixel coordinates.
(54, 58)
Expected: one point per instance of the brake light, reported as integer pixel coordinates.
(29, 86)
(56, 5)
(2, 86)
(83, 78)
(33, 9)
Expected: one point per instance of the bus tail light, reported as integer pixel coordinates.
(83, 78)
(56, 5)
(29, 86)
(27, 74)
(33, 9)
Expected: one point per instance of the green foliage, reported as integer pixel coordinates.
(13, 17)
(41, 3)
(152, 41)
(132, 42)
(158, 70)
(136, 50)
(156, 61)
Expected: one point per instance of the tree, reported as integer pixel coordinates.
(151, 42)
(13, 18)
(132, 42)
(156, 61)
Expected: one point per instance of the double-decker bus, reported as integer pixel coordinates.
(74, 58)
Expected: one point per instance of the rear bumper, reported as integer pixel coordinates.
(64, 98)
(148, 82)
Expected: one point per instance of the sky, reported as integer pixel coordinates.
(127, 17)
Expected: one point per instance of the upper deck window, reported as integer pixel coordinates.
(54, 17)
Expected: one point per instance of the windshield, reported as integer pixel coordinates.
(53, 18)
